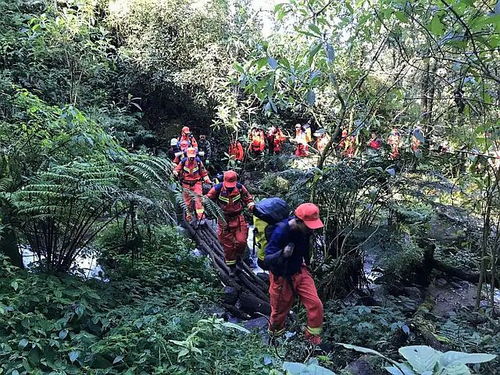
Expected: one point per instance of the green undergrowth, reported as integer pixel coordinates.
(153, 317)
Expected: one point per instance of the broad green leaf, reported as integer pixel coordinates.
(313, 50)
(23, 343)
(315, 29)
(401, 16)
(73, 356)
(456, 370)
(183, 353)
(63, 333)
(239, 68)
(420, 357)
(436, 26)
(117, 359)
(235, 326)
(261, 62)
(312, 368)
(14, 285)
(454, 358)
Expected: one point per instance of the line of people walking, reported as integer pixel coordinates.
(286, 246)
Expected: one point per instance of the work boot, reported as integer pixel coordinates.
(313, 339)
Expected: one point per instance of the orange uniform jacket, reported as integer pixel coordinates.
(191, 170)
(236, 150)
(192, 141)
(231, 203)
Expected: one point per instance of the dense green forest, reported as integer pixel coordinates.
(91, 93)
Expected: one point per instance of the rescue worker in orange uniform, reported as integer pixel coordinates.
(351, 146)
(322, 139)
(287, 256)
(232, 197)
(257, 141)
(394, 141)
(302, 148)
(275, 138)
(191, 172)
(186, 135)
(236, 150)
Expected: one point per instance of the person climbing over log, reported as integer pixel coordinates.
(232, 197)
(191, 172)
(288, 257)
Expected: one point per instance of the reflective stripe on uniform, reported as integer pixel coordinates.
(230, 262)
(223, 199)
(314, 331)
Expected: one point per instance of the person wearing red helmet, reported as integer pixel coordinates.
(191, 172)
(232, 197)
(287, 257)
(187, 136)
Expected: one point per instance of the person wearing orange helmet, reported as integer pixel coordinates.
(232, 197)
(302, 148)
(187, 136)
(257, 141)
(287, 257)
(236, 151)
(191, 172)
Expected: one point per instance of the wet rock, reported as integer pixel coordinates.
(361, 366)
(441, 282)
(230, 295)
(412, 292)
(256, 324)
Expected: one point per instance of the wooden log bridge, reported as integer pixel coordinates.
(246, 294)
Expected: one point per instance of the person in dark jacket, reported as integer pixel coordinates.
(205, 149)
(287, 256)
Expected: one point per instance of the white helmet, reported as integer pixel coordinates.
(173, 142)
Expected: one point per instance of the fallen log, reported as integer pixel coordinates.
(431, 262)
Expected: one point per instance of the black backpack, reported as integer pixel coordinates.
(267, 213)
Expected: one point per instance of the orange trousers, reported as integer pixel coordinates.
(233, 238)
(282, 296)
(188, 200)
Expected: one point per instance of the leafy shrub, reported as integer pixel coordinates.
(142, 321)
(424, 360)
(403, 257)
(364, 325)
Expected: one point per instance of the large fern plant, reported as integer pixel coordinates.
(64, 208)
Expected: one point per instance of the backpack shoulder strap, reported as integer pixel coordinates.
(218, 188)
